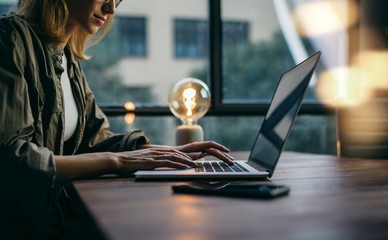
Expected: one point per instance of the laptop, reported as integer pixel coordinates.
(269, 142)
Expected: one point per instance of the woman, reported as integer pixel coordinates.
(51, 129)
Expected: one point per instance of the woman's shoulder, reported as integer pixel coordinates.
(12, 22)
(13, 19)
(15, 29)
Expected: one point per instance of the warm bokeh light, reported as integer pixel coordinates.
(342, 87)
(129, 106)
(129, 117)
(374, 67)
(350, 86)
(325, 16)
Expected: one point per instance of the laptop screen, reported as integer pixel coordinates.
(281, 114)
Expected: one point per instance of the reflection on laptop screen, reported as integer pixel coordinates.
(281, 114)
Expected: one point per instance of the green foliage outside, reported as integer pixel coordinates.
(252, 71)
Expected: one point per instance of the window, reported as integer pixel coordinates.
(254, 53)
(238, 47)
(191, 38)
(133, 40)
(234, 33)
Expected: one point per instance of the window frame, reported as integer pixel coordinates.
(218, 108)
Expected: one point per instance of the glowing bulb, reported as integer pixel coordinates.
(189, 100)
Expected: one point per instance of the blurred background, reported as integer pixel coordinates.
(239, 48)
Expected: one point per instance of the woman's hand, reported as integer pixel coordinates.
(179, 157)
(151, 158)
(199, 150)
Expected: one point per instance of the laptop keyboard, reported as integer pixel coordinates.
(220, 167)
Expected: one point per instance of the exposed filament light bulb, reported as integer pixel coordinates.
(189, 100)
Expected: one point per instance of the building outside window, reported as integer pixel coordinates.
(235, 33)
(191, 36)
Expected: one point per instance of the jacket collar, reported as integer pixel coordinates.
(71, 61)
(56, 52)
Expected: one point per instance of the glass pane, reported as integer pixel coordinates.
(160, 130)
(254, 53)
(314, 134)
(264, 38)
(151, 46)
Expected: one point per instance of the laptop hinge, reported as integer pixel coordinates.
(259, 167)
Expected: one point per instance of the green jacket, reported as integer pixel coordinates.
(32, 112)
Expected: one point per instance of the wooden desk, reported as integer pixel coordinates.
(330, 198)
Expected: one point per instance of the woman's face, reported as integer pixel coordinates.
(89, 14)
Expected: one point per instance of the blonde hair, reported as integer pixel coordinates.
(51, 17)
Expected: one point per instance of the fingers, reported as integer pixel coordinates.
(201, 149)
(149, 164)
(178, 153)
(173, 155)
(220, 155)
(180, 157)
(216, 146)
(214, 152)
(176, 157)
(197, 155)
(201, 146)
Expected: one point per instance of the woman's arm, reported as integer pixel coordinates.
(83, 165)
(121, 163)
(147, 158)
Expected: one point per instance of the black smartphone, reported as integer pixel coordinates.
(263, 191)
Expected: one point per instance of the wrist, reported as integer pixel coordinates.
(113, 162)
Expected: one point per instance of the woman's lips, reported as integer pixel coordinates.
(100, 20)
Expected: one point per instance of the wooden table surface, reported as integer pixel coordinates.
(329, 198)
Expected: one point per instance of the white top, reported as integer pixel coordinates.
(71, 113)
